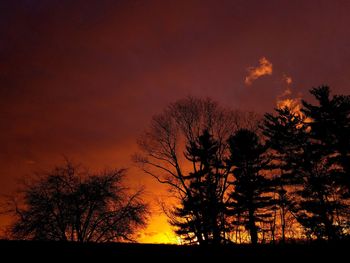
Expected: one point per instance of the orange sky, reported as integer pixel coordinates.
(83, 78)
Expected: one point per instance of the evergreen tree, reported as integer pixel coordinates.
(311, 149)
(201, 212)
(319, 205)
(251, 201)
(286, 137)
(323, 208)
(330, 129)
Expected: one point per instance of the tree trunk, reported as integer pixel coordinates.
(252, 228)
(283, 223)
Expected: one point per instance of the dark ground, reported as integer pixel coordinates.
(57, 251)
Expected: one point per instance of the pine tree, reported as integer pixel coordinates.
(251, 202)
(286, 137)
(311, 149)
(323, 208)
(202, 211)
(330, 128)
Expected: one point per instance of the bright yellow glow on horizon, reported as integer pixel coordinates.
(159, 231)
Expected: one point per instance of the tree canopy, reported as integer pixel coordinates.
(71, 204)
(283, 177)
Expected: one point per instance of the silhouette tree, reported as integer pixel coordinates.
(70, 204)
(251, 201)
(305, 150)
(330, 128)
(319, 205)
(286, 137)
(324, 211)
(200, 218)
(169, 154)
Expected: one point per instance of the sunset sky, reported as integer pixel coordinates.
(82, 79)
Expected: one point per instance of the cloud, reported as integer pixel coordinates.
(287, 98)
(294, 104)
(264, 68)
(287, 79)
(286, 92)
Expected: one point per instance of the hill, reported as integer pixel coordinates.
(63, 251)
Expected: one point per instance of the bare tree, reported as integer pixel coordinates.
(163, 145)
(69, 204)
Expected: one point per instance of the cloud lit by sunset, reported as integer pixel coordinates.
(264, 68)
(287, 79)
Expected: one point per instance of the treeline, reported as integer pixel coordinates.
(242, 178)
(238, 178)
